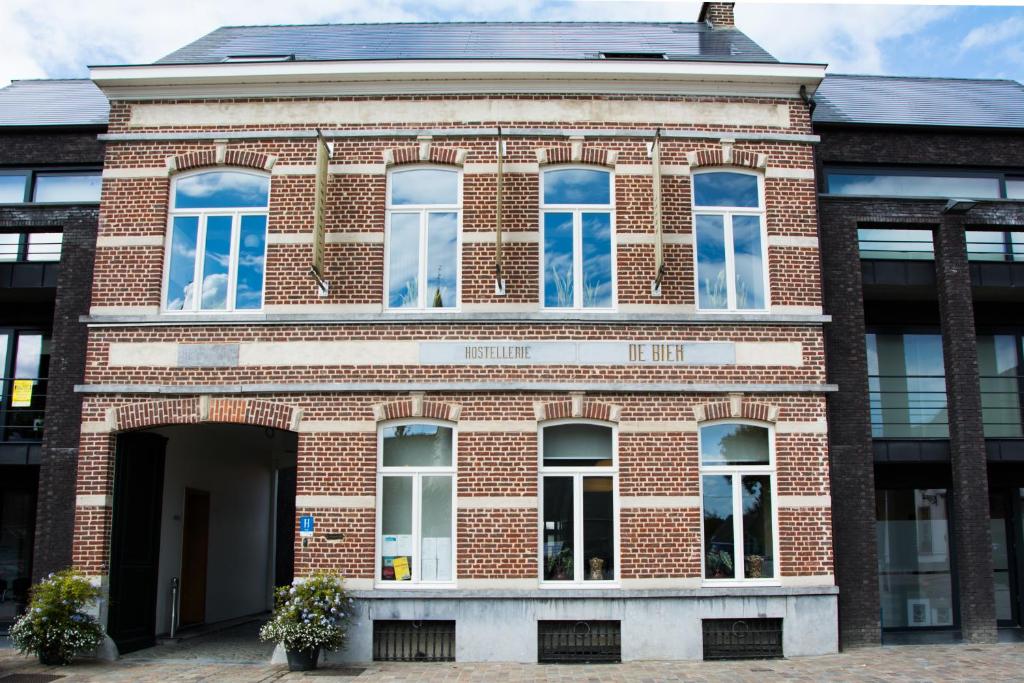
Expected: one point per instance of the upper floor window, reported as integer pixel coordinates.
(729, 235)
(942, 183)
(30, 246)
(50, 186)
(737, 468)
(416, 493)
(423, 238)
(578, 259)
(216, 249)
(907, 386)
(579, 500)
(900, 244)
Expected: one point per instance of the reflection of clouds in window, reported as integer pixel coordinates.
(424, 186)
(725, 189)
(912, 186)
(558, 260)
(215, 291)
(221, 190)
(442, 259)
(746, 232)
(711, 277)
(404, 260)
(577, 186)
(597, 261)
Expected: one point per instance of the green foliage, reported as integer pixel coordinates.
(310, 614)
(56, 625)
(719, 562)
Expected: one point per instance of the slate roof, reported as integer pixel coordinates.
(905, 101)
(473, 40)
(57, 102)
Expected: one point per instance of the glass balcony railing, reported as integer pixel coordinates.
(24, 407)
(908, 407)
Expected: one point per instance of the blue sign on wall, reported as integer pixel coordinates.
(306, 525)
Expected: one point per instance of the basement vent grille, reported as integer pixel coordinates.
(742, 638)
(565, 642)
(413, 641)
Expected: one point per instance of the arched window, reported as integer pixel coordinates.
(579, 500)
(416, 502)
(423, 238)
(729, 238)
(738, 520)
(578, 263)
(216, 249)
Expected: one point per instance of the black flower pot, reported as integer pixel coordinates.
(51, 658)
(303, 660)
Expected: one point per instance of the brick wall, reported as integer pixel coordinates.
(497, 468)
(55, 510)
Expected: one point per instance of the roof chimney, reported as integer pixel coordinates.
(717, 14)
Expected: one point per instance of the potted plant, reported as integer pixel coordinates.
(309, 615)
(559, 565)
(55, 626)
(720, 563)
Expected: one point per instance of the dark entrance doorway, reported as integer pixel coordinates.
(195, 544)
(135, 539)
(1007, 520)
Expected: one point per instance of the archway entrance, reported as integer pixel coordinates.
(208, 506)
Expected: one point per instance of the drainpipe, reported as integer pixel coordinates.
(174, 606)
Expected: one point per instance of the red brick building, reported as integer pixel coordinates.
(559, 364)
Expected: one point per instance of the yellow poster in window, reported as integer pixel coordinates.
(401, 565)
(21, 397)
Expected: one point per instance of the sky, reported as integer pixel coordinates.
(58, 38)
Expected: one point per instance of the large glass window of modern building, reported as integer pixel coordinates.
(907, 385)
(50, 186)
(999, 361)
(924, 183)
(914, 558)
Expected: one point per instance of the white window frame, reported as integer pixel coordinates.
(416, 474)
(727, 213)
(236, 225)
(737, 472)
(424, 210)
(577, 211)
(577, 474)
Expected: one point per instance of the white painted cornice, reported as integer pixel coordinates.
(446, 76)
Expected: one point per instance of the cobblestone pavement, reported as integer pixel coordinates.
(987, 663)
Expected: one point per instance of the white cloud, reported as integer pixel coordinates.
(994, 33)
(59, 37)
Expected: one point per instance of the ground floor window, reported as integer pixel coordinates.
(417, 496)
(737, 503)
(579, 493)
(913, 558)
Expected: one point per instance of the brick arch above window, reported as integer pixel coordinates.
(220, 155)
(726, 156)
(736, 407)
(416, 406)
(577, 407)
(577, 153)
(424, 153)
(204, 409)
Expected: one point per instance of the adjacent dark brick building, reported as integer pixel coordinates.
(925, 345)
(50, 164)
